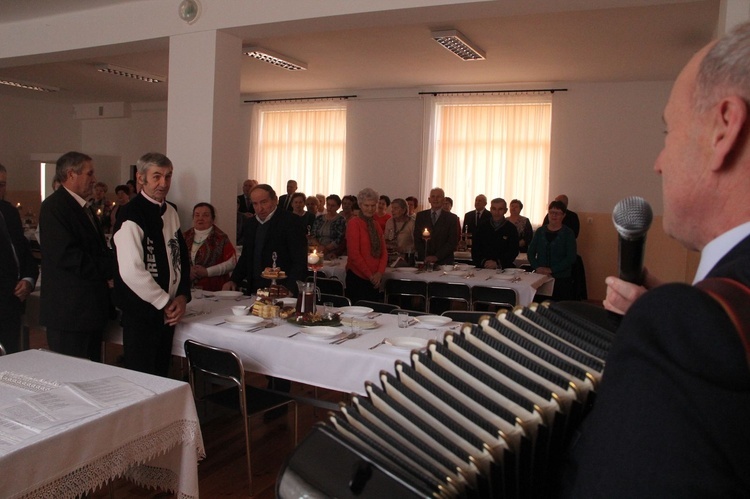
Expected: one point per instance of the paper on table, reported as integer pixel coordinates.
(109, 392)
(40, 411)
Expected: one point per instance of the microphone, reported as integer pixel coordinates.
(632, 217)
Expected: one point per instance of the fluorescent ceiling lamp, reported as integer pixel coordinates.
(274, 58)
(28, 85)
(456, 42)
(130, 73)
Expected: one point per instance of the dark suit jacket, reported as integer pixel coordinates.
(287, 238)
(470, 220)
(76, 264)
(571, 220)
(670, 419)
(242, 206)
(443, 236)
(282, 202)
(10, 273)
(500, 245)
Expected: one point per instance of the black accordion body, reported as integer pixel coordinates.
(487, 413)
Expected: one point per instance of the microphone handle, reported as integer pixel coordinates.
(630, 259)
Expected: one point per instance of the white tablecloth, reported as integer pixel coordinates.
(156, 441)
(529, 284)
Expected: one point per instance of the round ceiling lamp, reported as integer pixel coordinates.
(189, 10)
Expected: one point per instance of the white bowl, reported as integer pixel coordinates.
(446, 268)
(242, 321)
(226, 295)
(240, 310)
(355, 310)
(437, 320)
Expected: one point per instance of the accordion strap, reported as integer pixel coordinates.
(734, 297)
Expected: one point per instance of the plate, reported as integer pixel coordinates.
(320, 332)
(504, 277)
(513, 271)
(329, 322)
(456, 272)
(464, 266)
(242, 321)
(409, 270)
(226, 295)
(437, 320)
(362, 323)
(406, 342)
(355, 310)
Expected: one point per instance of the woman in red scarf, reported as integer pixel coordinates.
(366, 249)
(211, 252)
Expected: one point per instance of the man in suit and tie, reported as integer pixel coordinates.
(670, 418)
(76, 263)
(476, 216)
(435, 234)
(285, 201)
(18, 270)
(245, 208)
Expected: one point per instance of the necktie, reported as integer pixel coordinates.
(92, 218)
(434, 217)
(476, 219)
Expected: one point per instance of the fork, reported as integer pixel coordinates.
(348, 337)
(376, 346)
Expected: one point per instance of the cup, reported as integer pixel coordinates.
(403, 319)
(430, 266)
(327, 308)
(240, 310)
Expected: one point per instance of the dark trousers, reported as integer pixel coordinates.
(148, 347)
(84, 344)
(10, 331)
(360, 289)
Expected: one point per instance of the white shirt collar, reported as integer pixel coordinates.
(143, 193)
(268, 217)
(78, 198)
(716, 249)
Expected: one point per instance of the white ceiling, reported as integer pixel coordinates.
(393, 49)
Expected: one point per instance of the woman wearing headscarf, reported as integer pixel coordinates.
(367, 253)
(212, 255)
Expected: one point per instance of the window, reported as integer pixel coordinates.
(304, 142)
(495, 145)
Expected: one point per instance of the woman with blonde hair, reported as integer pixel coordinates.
(366, 250)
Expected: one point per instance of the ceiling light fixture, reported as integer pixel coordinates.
(130, 73)
(456, 42)
(274, 58)
(28, 85)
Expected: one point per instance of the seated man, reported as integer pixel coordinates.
(495, 241)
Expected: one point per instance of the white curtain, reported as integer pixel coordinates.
(305, 142)
(497, 145)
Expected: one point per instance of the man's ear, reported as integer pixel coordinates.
(729, 117)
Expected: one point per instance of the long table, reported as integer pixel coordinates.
(527, 285)
(155, 441)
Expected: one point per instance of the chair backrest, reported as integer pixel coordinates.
(215, 362)
(2, 349)
(466, 315)
(395, 289)
(337, 300)
(311, 274)
(377, 306)
(329, 285)
(412, 313)
(494, 295)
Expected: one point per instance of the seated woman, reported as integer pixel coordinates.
(349, 207)
(399, 233)
(329, 230)
(525, 232)
(367, 253)
(298, 208)
(553, 252)
(211, 252)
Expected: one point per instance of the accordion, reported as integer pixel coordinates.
(486, 413)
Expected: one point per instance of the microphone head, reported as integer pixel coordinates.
(632, 217)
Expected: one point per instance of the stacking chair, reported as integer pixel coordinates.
(412, 313)
(310, 274)
(445, 295)
(491, 298)
(337, 300)
(329, 285)
(223, 368)
(2, 350)
(383, 308)
(465, 315)
(406, 293)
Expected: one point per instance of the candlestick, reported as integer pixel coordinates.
(313, 257)
(425, 233)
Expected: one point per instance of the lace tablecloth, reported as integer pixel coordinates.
(155, 442)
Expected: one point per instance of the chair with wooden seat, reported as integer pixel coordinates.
(492, 298)
(383, 308)
(222, 379)
(444, 296)
(406, 293)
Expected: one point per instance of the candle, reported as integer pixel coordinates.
(313, 258)
(18, 205)
(98, 212)
(425, 233)
(114, 203)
